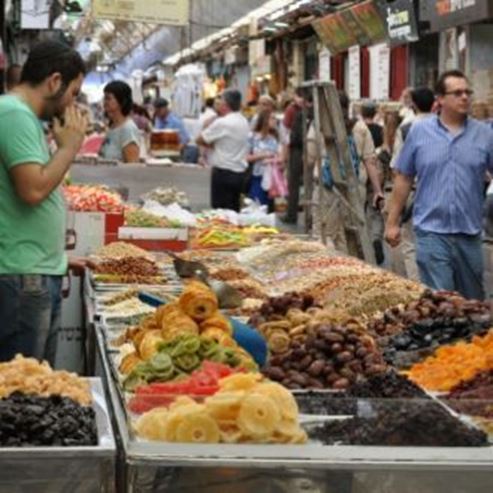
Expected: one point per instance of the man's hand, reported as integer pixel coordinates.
(71, 134)
(378, 201)
(78, 264)
(392, 235)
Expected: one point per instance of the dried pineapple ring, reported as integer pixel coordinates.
(258, 416)
(224, 406)
(282, 397)
(240, 381)
(288, 428)
(152, 425)
(198, 428)
(180, 401)
(176, 417)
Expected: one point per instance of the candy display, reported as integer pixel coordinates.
(88, 198)
(244, 410)
(177, 357)
(37, 421)
(29, 376)
(402, 423)
(331, 357)
(452, 364)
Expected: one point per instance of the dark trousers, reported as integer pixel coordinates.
(295, 174)
(226, 188)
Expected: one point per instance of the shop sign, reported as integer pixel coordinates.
(379, 71)
(361, 24)
(368, 17)
(444, 14)
(324, 65)
(263, 66)
(171, 12)
(401, 21)
(35, 14)
(334, 33)
(354, 57)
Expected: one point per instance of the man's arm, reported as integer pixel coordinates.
(398, 143)
(402, 188)
(34, 182)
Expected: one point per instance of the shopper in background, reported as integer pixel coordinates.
(228, 137)
(122, 141)
(423, 100)
(368, 113)
(449, 155)
(265, 103)
(208, 112)
(293, 123)
(264, 150)
(13, 76)
(32, 210)
(165, 119)
(141, 118)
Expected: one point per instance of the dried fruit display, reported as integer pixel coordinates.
(29, 376)
(115, 299)
(249, 289)
(130, 279)
(223, 236)
(402, 423)
(92, 198)
(229, 274)
(139, 266)
(55, 421)
(333, 357)
(120, 249)
(139, 218)
(244, 410)
(167, 195)
(453, 364)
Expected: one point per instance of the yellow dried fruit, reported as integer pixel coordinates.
(258, 416)
(197, 427)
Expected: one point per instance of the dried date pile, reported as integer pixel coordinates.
(436, 318)
(331, 357)
(409, 423)
(32, 420)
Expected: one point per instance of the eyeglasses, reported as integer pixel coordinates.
(460, 92)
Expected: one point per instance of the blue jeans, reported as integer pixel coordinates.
(452, 262)
(30, 309)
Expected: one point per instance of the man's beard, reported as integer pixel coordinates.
(53, 106)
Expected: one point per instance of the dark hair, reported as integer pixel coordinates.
(10, 74)
(441, 85)
(209, 102)
(161, 103)
(423, 98)
(232, 98)
(50, 57)
(122, 93)
(140, 110)
(263, 117)
(368, 110)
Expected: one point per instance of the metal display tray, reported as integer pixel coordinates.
(62, 469)
(312, 455)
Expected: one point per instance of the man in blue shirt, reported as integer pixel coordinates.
(449, 155)
(165, 119)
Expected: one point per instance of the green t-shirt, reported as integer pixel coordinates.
(32, 238)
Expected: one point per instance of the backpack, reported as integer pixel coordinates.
(327, 180)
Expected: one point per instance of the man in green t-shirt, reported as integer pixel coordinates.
(32, 211)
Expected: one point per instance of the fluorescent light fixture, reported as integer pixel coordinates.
(281, 24)
(270, 28)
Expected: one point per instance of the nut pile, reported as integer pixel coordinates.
(33, 420)
(402, 424)
(128, 266)
(119, 249)
(333, 357)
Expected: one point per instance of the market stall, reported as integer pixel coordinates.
(356, 425)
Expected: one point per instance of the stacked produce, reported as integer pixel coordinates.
(120, 249)
(139, 218)
(194, 314)
(90, 198)
(402, 423)
(43, 407)
(453, 364)
(29, 376)
(202, 382)
(179, 357)
(167, 195)
(129, 270)
(244, 410)
(435, 318)
(331, 357)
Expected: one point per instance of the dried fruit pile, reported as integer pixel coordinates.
(333, 357)
(139, 218)
(33, 420)
(245, 410)
(475, 396)
(128, 266)
(89, 198)
(119, 249)
(451, 365)
(400, 423)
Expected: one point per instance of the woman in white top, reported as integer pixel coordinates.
(122, 139)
